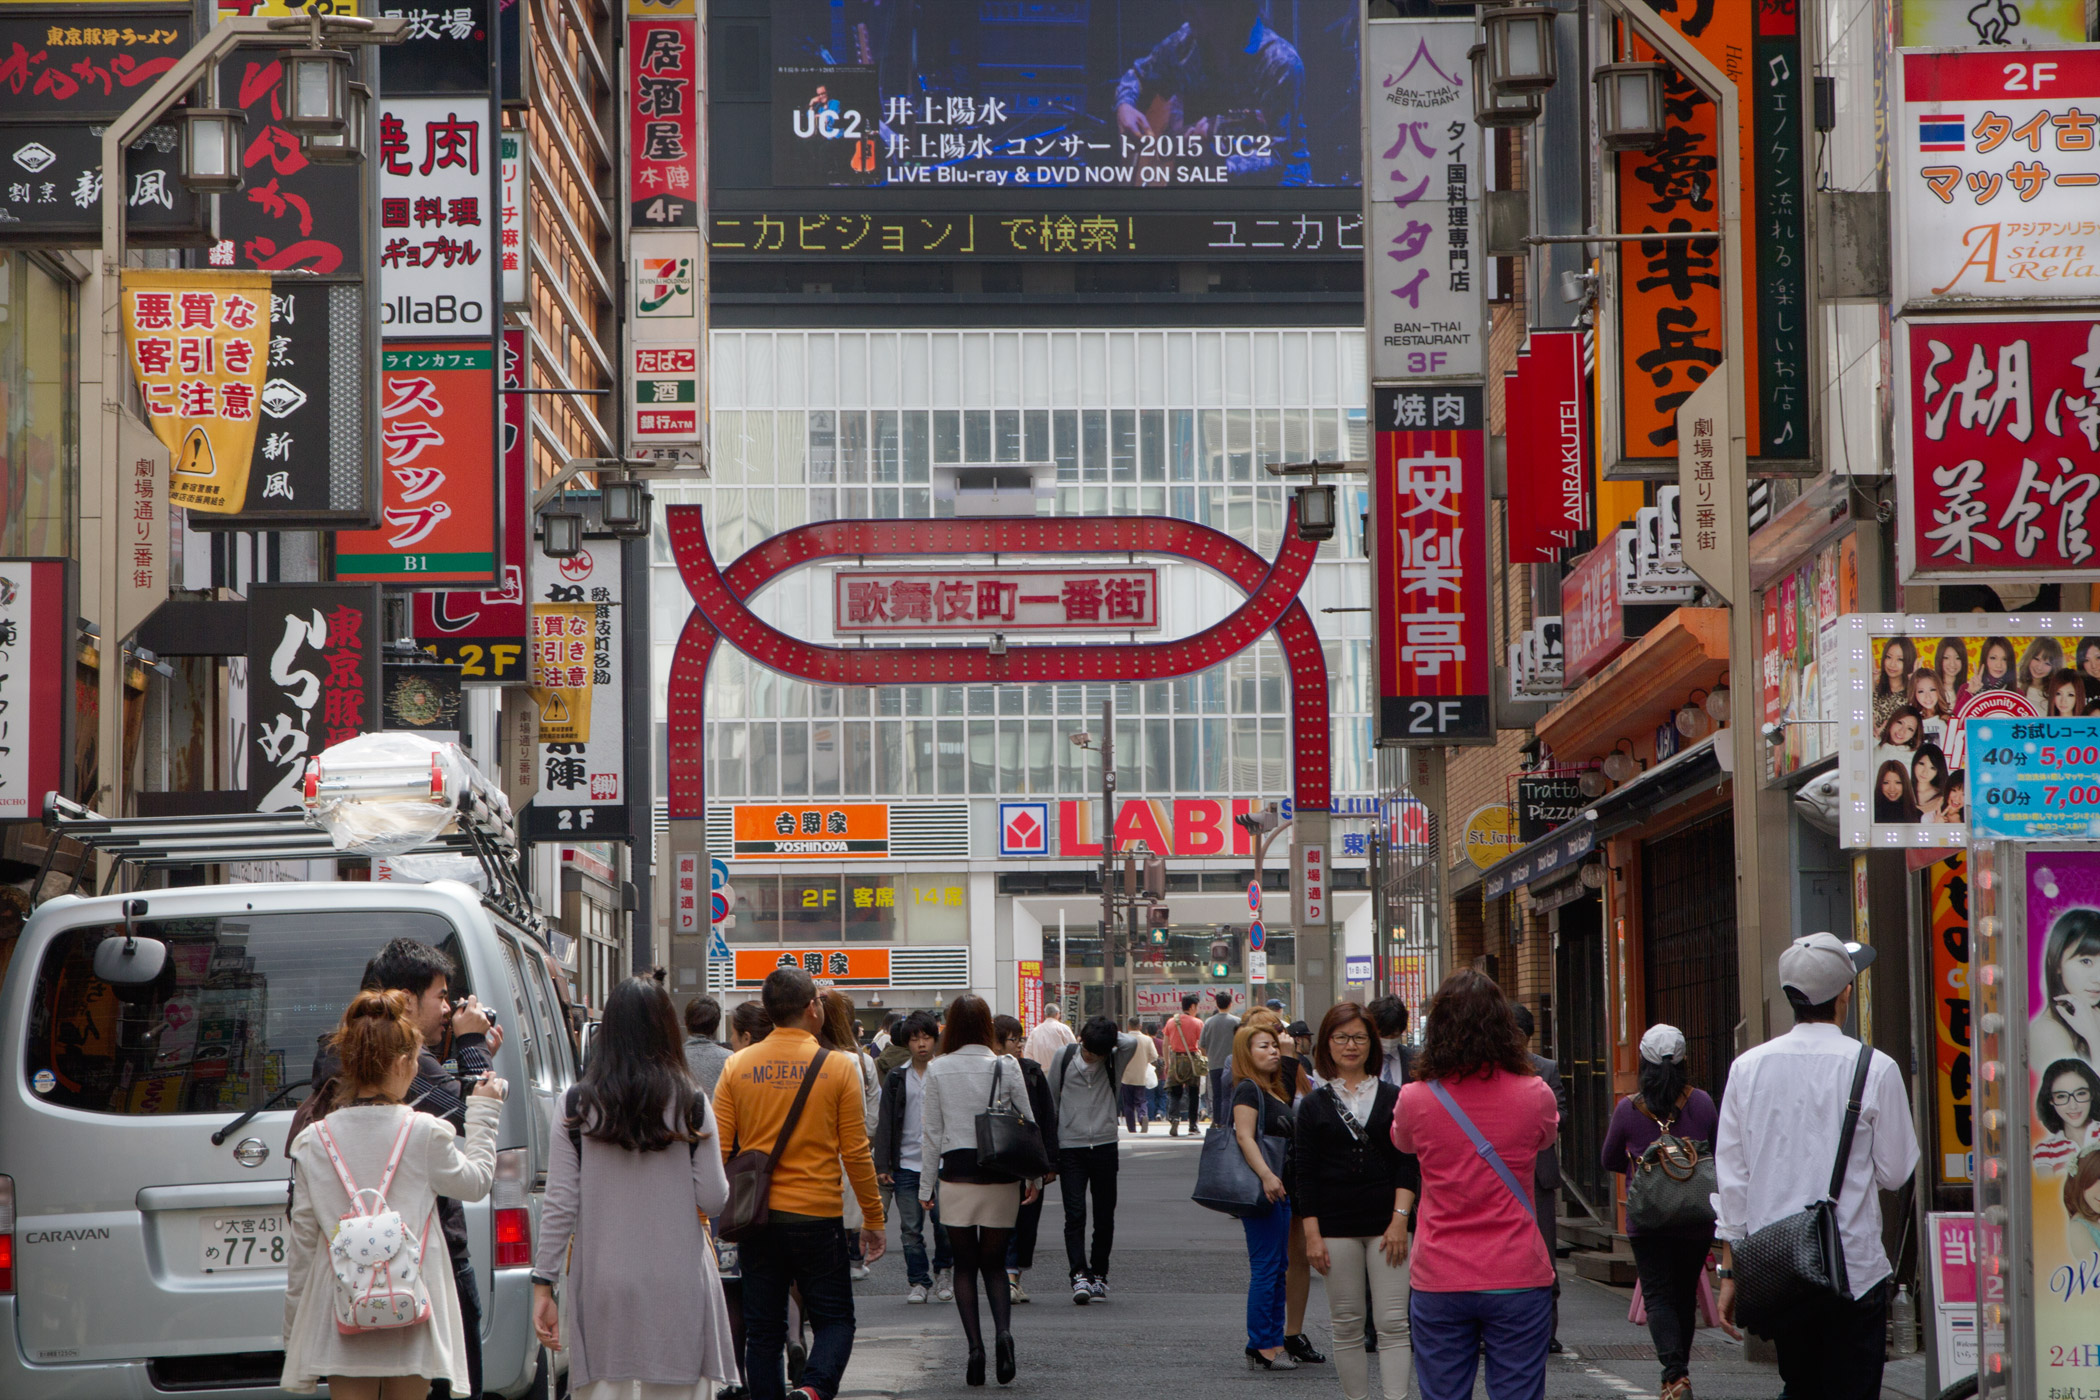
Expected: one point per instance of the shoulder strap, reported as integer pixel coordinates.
(393, 1161)
(787, 1128)
(342, 1173)
(1859, 1088)
(695, 1120)
(1483, 1147)
(1064, 1062)
(998, 1065)
(568, 1113)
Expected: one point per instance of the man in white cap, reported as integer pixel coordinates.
(1781, 1121)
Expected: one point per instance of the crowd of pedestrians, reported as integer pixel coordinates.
(708, 1205)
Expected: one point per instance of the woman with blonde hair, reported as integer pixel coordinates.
(377, 1142)
(1261, 1107)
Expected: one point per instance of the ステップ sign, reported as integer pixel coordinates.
(998, 599)
(437, 429)
(1998, 455)
(1429, 508)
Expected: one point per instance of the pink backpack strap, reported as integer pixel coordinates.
(393, 1161)
(327, 1140)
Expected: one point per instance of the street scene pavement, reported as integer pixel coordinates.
(1173, 1323)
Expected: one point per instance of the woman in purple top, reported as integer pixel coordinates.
(1669, 1260)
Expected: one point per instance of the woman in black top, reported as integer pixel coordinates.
(1261, 1107)
(1354, 1195)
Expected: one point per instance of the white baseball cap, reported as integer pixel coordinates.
(1820, 965)
(1662, 1044)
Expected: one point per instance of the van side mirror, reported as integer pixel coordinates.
(130, 961)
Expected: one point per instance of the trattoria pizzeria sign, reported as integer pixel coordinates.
(976, 600)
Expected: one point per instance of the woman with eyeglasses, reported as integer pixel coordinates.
(2065, 1106)
(1353, 1194)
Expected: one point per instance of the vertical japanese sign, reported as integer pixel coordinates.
(483, 631)
(666, 192)
(1030, 986)
(1548, 432)
(1998, 446)
(1711, 496)
(141, 503)
(1429, 505)
(437, 156)
(199, 345)
(37, 609)
(685, 890)
(562, 656)
(313, 680)
(583, 780)
(1670, 315)
(1422, 190)
(437, 428)
(1996, 175)
(1592, 613)
(312, 447)
(292, 214)
(1308, 885)
(1953, 1069)
(510, 238)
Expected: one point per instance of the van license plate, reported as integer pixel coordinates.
(256, 1241)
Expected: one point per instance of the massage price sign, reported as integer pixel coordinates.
(2036, 779)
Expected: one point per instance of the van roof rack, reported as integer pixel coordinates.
(159, 842)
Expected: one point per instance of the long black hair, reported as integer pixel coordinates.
(1661, 1083)
(637, 1075)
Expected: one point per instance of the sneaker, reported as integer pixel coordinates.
(859, 1271)
(917, 1294)
(1098, 1286)
(804, 1392)
(944, 1286)
(1082, 1290)
(1174, 1129)
(1013, 1286)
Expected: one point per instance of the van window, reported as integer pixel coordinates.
(234, 1019)
(522, 1017)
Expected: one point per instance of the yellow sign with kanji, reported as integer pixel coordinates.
(562, 670)
(199, 344)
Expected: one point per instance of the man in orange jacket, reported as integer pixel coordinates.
(803, 1244)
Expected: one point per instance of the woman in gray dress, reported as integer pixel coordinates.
(635, 1168)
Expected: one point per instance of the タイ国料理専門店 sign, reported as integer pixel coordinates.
(810, 831)
(1996, 174)
(1427, 273)
(898, 600)
(1998, 446)
(438, 504)
(199, 344)
(1429, 516)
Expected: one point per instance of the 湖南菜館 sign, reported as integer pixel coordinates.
(1998, 175)
(1998, 446)
(1429, 514)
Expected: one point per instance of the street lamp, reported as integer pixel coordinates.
(624, 504)
(347, 146)
(1629, 105)
(561, 533)
(211, 149)
(1492, 107)
(1520, 51)
(1316, 512)
(317, 83)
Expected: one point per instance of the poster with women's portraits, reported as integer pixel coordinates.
(1911, 683)
(2063, 1046)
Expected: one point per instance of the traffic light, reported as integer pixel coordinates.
(1224, 954)
(1158, 922)
(1156, 877)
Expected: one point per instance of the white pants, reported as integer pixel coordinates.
(1358, 1266)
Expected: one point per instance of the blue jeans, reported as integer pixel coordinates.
(1268, 1258)
(1449, 1331)
(911, 1223)
(809, 1255)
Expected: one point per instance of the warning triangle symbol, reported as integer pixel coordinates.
(196, 457)
(556, 710)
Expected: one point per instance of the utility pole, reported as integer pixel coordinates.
(1107, 750)
(1381, 967)
(1263, 825)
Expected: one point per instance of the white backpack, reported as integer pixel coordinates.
(376, 1257)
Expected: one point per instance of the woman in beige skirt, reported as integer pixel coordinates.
(978, 1209)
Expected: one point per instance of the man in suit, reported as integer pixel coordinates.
(1546, 1171)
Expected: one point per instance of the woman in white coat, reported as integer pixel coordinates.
(378, 1044)
(978, 1208)
(634, 1168)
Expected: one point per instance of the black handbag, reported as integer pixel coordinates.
(1673, 1183)
(1796, 1264)
(1008, 1145)
(1224, 1181)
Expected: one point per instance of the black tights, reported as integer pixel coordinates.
(980, 1251)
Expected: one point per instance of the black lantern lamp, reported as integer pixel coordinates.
(1520, 50)
(211, 149)
(1629, 105)
(317, 88)
(346, 147)
(1493, 108)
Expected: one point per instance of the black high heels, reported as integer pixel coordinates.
(1003, 1356)
(1300, 1347)
(973, 1373)
(1280, 1362)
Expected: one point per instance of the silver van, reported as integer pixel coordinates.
(142, 1128)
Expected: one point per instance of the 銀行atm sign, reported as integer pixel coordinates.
(1188, 826)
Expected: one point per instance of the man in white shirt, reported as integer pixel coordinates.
(1780, 1125)
(1050, 1035)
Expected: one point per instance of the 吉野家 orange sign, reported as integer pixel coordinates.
(835, 967)
(811, 831)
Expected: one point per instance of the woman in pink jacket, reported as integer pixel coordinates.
(1476, 1117)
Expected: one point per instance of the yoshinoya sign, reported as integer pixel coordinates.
(810, 831)
(1997, 175)
(976, 600)
(1427, 272)
(1998, 445)
(1429, 514)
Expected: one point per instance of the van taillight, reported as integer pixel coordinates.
(513, 1219)
(7, 1234)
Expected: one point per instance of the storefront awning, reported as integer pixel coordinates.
(1642, 688)
(1687, 774)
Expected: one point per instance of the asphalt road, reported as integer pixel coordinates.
(1175, 1324)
